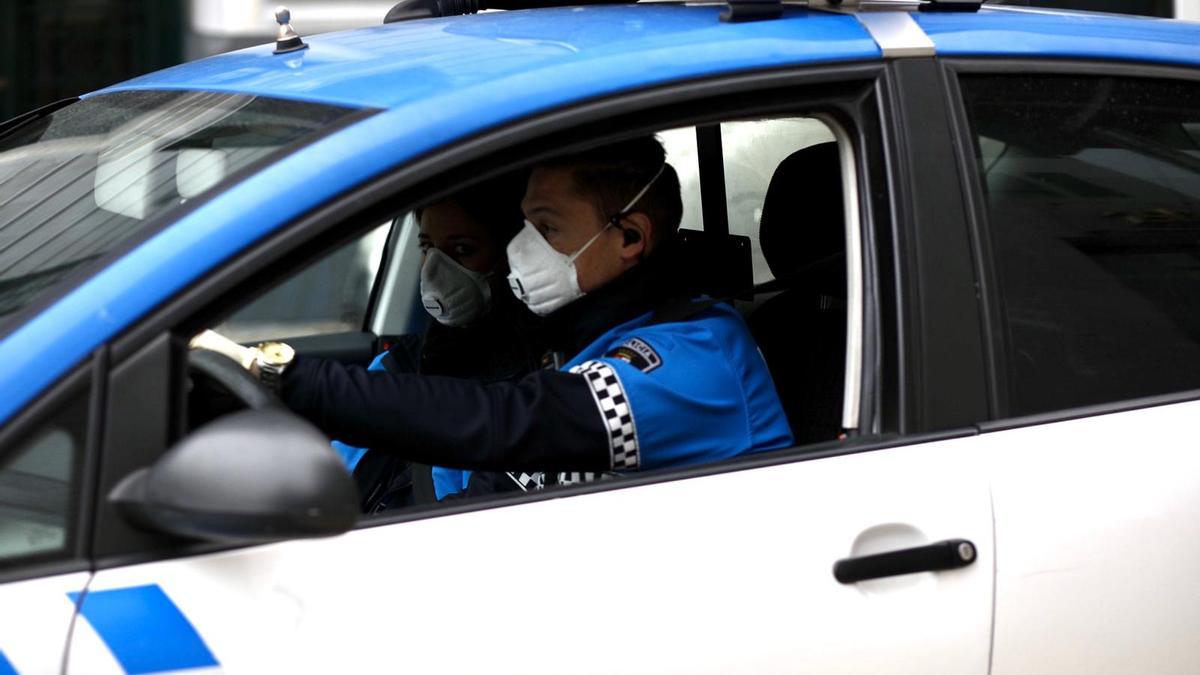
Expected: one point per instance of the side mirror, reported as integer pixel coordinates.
(253, 476)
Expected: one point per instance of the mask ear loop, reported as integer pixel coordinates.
(575, 256)
(632, 236)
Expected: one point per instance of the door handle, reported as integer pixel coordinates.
(944, 555)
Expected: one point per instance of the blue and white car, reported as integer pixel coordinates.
(980, 267)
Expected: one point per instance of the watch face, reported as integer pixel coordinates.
(277, 353)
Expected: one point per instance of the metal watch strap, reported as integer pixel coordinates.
(270, 375)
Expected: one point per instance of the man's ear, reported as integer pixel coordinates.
(638, 230)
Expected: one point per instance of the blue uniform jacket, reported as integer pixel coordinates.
(647, 393)
(674, 394)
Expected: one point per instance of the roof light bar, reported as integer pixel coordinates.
(739, 10)
(424, 9)
(909, 5)
(752, 10)
(406, 10)
(952, 6)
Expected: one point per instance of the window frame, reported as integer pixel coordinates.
(996, 343)
(84, 381)
(853, 94)
(379, 259)
(941, 375)
(392, 290)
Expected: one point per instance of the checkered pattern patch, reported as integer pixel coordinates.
(610, 398)
(528, 481)
(577, 477)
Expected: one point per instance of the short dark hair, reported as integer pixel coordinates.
(610, 175)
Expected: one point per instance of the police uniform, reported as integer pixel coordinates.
(671, 394)
(502, 345)
(638, 393)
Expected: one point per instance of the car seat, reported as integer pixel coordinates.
(802, 329)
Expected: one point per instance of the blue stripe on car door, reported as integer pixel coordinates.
(6, 668)
(144, 629)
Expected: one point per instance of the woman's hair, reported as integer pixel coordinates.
(495, 203)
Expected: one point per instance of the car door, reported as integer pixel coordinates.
(1088, 180)
(37, 621)
(718, 574)
(43, 527)
(727, 568)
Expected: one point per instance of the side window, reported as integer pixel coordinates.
(753, 150)
(1093, 200)
(785, 194)
(39, 487)
(330, 296)
(681, 153)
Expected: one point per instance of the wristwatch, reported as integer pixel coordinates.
(272, 359)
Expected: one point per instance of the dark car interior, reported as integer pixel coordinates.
(797, 317)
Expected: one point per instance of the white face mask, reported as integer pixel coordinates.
(545, 279)
(541, 277)
(451, 293)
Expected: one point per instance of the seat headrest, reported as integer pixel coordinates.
(803, 217)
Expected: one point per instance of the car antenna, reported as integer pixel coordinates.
(287, 40)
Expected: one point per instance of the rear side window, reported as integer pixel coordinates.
(1093, 200)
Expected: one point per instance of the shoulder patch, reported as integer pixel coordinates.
(637, 353)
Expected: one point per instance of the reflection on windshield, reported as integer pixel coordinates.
(78, 182)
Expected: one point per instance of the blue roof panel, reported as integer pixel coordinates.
(586, 50)
(1023, 33)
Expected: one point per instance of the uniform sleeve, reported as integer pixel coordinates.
(350, 454)
(545, 421)
(668, 399)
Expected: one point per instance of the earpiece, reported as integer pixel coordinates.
(632, 235)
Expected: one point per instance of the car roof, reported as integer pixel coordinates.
(495, 55)
(442, 80)
(1019, 32)
(591, 50)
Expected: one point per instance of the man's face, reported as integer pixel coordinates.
(568, 220)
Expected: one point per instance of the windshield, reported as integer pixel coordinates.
(83, 179)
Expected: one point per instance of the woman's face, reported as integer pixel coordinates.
(470, 243)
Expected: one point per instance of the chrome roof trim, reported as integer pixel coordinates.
(897, 34)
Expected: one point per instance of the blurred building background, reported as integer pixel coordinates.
(54, 49)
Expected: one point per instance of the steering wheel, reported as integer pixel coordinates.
(233, 378)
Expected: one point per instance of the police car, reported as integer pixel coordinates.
(967, 240)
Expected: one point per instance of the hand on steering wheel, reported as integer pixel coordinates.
(232, 366)
(233, 378)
